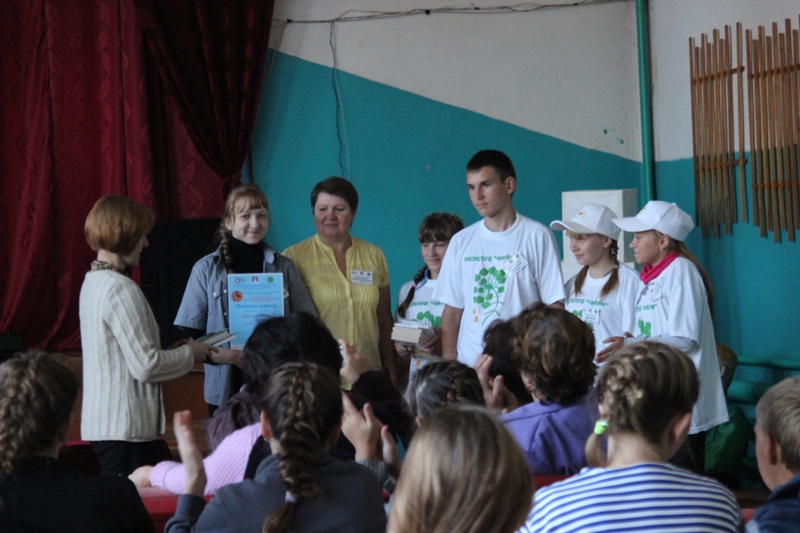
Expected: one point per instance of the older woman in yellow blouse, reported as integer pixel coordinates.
(347, 278)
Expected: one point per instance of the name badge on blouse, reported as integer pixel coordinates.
(514, 264)
(361, 277)
(591, 316)
(655, 291)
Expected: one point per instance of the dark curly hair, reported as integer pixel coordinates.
(555, 350)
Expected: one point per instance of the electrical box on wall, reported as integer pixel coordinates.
(623, 202)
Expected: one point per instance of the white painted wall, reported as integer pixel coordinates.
(672, 22)
(567, 72)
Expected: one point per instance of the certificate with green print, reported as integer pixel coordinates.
(252, 298)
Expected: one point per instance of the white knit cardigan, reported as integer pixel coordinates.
(123, 363)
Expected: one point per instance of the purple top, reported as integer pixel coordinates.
(553, 436)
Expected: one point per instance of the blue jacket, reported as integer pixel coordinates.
(205, 307)
(781, 513)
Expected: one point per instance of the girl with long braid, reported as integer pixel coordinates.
(646, 393)
(204, 308)
(37, 491)
(603, 293)
(300, 487)
(416, 296)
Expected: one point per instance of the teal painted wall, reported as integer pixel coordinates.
(756, 281)
(406, 158)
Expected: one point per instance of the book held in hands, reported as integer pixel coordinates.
(412, 333)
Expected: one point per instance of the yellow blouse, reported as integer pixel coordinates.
(346, 304)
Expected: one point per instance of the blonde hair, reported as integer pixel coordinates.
(641, 390)
(613, 280)
(464, 473)
(117, 224)
(778, 415)
(254, 198)
(37, 394)
(683, 250)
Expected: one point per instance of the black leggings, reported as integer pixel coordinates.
(120, 458)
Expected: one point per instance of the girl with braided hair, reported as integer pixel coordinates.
(645, 393)
(604, 292)
(37, 491)
(204, 308)
(416, 296)
(441, 384)
(300, 486)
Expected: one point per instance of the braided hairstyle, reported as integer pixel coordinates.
(641, 390)
(443, 383)
(436, 227)
(36, 398)
(613, 280)
(303, 405)
(240, 199)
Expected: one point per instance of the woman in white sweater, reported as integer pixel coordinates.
(123, 363)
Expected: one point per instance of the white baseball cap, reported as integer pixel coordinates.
(591, 218)
(665, 217)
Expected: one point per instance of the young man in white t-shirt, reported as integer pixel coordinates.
(496, 267)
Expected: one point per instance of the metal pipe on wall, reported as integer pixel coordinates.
(647, 189)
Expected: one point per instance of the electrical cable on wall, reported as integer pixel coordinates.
(353, 15)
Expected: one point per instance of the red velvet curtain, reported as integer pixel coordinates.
(82, 114)
(211, 55)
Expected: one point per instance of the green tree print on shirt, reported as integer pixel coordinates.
(645, 327)
(427, 316)
(490, 285)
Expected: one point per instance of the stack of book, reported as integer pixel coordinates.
(412, 333)
(217, 338)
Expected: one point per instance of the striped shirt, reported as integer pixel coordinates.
(643, 497)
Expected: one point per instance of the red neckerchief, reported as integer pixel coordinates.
(650, 272)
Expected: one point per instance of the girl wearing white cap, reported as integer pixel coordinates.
(674, 307)
(604, 292)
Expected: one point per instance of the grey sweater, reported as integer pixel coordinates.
(350, 501)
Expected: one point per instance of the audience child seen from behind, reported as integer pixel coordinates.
(553, 350)
(437, 385)
(348, 278)
(496, 267)
(235, 432)
(778, 455)
(645, 393)
(416, 296)
(298, 488)
(498, 343)
(37, 491)
(204, 308)
(603, 293)
(674, 307)
(464, 473)
(123, 363)
(441, 384)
